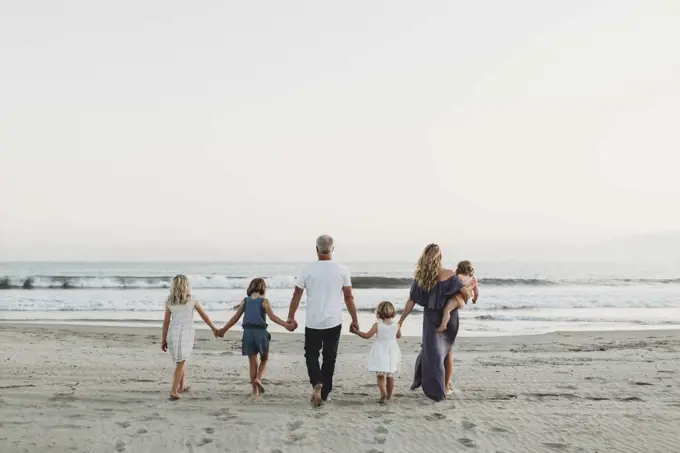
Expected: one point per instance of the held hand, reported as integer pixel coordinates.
(221, 332)
(164, 346)
(216, 332)
(354, 327)
(399, 332)
(291, 324)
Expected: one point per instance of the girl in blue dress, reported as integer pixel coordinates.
(255, 309)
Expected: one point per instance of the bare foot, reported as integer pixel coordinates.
(441, 328)
(382, 401)
(174, 396)
(316, 396)
(259, 385)
(185, 389)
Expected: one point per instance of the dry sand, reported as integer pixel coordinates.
(104, 389)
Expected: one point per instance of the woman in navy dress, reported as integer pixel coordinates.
(432, 287)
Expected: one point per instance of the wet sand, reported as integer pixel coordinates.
(104, 389)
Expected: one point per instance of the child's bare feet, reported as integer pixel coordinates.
(441, 328)
(316, 396)
(260, 387)
(174, 396)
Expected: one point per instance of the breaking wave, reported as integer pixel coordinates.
(284, 282)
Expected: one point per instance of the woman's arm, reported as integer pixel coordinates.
(234, 319)
(369, 334)
(407, 310)
(166, 325)
(272, 315)
(204, 316)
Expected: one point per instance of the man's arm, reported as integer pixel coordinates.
(351, 308)
(295, 303)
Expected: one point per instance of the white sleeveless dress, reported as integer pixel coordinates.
(181, 330)
(385, 356)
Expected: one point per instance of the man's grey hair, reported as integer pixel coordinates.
(324, 244)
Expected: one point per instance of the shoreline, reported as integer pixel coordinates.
(275, 330)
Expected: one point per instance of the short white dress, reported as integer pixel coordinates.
(385, 356)
(181, 330)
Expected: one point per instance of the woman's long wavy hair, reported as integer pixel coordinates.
(180, 291)
(428, 268)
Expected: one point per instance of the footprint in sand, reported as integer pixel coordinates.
(295, 425)
(123, 424)
(295, 437)
(380, 440)
(555, 445)
(381, 430)
(142, 431)
(467, 442)
(436, 416)
(209, 430)
(499, 430)
(204, 441)
(467, 424)
(120, 446)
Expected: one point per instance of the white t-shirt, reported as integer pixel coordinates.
(324, 280)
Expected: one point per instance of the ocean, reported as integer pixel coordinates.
(515, 298)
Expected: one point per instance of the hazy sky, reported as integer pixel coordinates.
(233, 130)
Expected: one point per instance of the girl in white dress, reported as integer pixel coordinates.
(178, 329)
(385, 357)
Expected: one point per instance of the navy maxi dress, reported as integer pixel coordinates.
(429, 369)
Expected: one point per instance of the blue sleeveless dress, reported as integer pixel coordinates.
(255, 336)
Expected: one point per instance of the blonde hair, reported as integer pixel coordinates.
(465, 268)
(180, 291)
(428, 268)
(385, 310)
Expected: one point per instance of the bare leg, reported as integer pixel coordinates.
(253, 375)
(264, 360)
(390, 387)
(454, 303)
(260, 372)
(181, 382)
(177, 378)
(448, 374)
(382, 386)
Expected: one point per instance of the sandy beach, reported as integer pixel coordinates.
(104, 389)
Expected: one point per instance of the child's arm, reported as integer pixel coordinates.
(369, 334)
(206, 319)
(166, 325)
(475, 292)
(272, 315)
(234, 319)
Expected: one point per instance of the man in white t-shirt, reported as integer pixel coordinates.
(329, 289)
